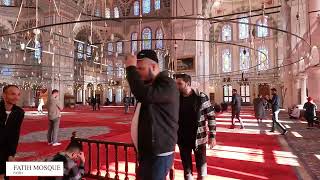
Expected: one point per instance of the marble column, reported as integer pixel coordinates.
(314, 84)
(303, 85)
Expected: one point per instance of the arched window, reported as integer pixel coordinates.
(157, 4)
(146, 6)
(120, 47)
(146, 38)
(226, 33)
(243, 28)
(116, 12)
(159, 37)
(107, 13)
(226, 60)
(262, 31)
(263, 61)
(37, 51)
(7, 2)
(89, 52)
(134, 43)
(136, 8)
(80, 51)
(244, 59)
(110, 48)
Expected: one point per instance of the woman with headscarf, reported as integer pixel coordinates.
(310, 111)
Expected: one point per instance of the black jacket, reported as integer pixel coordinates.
(9, 130)
(159, 112)
(275, 103)
(236, 103)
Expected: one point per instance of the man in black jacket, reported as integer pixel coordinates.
(157, 114)
(11, 117)
(236, 108)
(275, 106)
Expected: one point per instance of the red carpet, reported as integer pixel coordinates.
(237, 155)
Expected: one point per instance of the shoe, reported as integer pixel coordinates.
(271, 131)
(242, 127)
(50, 144)
(284, 132)
(56, 144)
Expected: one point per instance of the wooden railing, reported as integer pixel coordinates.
(90, 162)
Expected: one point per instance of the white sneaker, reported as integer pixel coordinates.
(56, 144)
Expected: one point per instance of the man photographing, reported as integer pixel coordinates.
(155, 122)
(11, 117)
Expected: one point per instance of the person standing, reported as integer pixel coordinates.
(259, 104)
(41, 103)
(98, 102)
(11, 117)
(94, 103)
(54, 115)
(127, 101)
(236, 108)
(155, 122)
(275, 107)
(196, 113)
(310, 112)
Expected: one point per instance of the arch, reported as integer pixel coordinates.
(83, 31)
(146, 36)
(159, 37)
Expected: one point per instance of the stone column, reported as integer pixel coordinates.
(303, 85)
(314, 85)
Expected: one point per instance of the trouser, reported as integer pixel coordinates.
(237, 115)
(201, 161)
(94, 107)
(309, 120)
(53, 130)
(40, 108)
(98, 104)
(154, 167)
(275, 121)
(126, 108)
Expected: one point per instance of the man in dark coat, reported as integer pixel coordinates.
(259, 104)
(11, 117)
(94, 103)
(310, 112)
(155, 122)
(236, 108)
(275, 106)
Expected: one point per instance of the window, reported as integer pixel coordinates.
(244, 59)
(245, 93)
(157, 4)
(134, 43)
(262, 31)
(110, 70)
(37, 51)
(226, 33)
(263, 61)
(7, 2)
(97, 12)
(89, 51)
(243, 28)
(159, 37)
(146, 38)
(136, 8)
(146, 6)
(116, 12)
(107, 13)
(119, 47)
(226, 61)
(227, 93)
(110, 49)
(80, 51)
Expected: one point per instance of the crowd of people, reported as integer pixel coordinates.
(168, 112)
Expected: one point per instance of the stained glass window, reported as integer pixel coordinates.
(134, 44)
(89, 51)
(243, 28)
(262, 31)
(263, 61)
(107, 13)
(226, 61)
(110, 70)
(110, 48)
(119, 47)
(146, 38)
(136, 8)
(159, 37)
(80, 51)
(157, 4)
(226, 33)
(7, 2)
(97, 12)
(227, 93)
(37, 51)
(146, 6)
(116, 12)
(244, 59)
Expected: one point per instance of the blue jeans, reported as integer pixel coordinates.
(154, 167)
